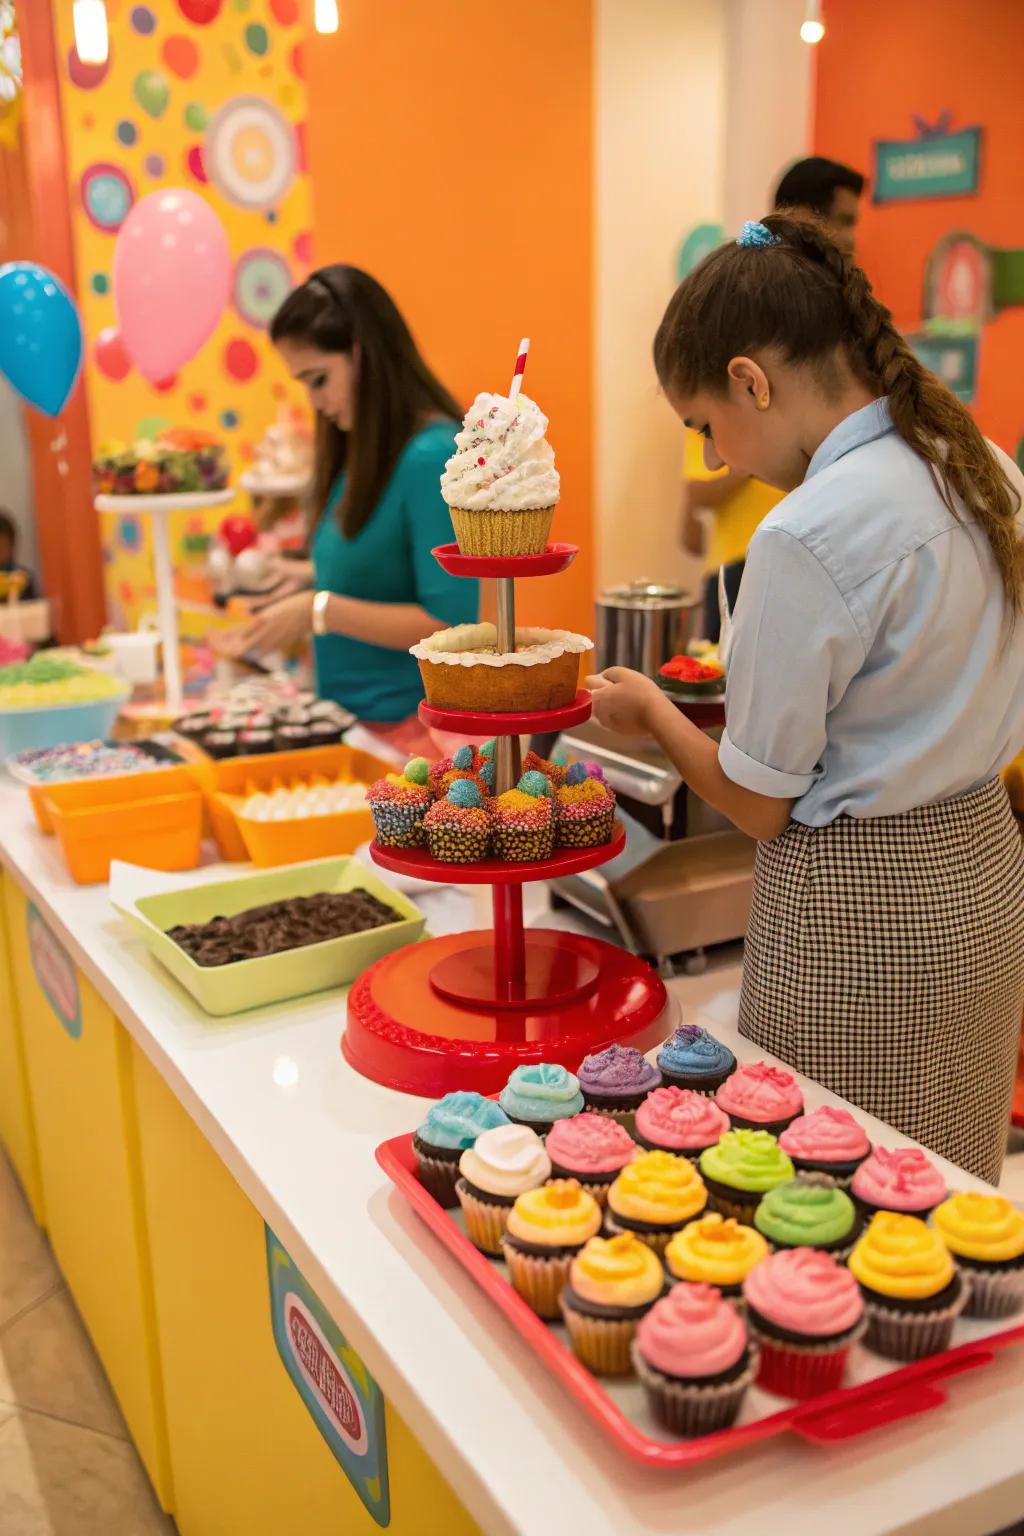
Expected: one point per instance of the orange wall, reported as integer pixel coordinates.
(488, 238)
(877, 66)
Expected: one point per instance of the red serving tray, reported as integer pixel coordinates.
(564, 861)
(555, 558)
(899, 1394)
(537, 722)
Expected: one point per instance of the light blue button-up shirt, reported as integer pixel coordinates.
(870, 667)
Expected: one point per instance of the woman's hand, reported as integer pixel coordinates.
(287, 576)
(625, 701)
(280, 626)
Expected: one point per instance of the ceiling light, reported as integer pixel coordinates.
(812, 28)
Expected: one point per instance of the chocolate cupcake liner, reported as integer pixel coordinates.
(485, 1223)
(502, 533)
(913, 1335)
(692, 1154)
(804, 1370)
(454, 845)
(686, 1407)
(775, 1127)
(439, 1178)
(538, 1280)
(738, 1204)
(626, 1117)
(522, 847)
(841, 1173)
(840, 1254)
(994, 1292)
(398, 826)
(706, 1086)
(867, 1209)
(592, 833)
(602, 1344)
(656, 1241)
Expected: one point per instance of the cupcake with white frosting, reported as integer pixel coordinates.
(502, 1164)
(501, 484)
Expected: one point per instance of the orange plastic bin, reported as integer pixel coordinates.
(155, 820)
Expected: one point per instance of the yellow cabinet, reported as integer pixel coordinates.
(17, 1124)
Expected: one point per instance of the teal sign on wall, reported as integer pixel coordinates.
(953, 358)
(933, 165)
(700, 242)
(342, 1397)
(55, 971)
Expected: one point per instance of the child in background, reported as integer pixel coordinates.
(9, 566)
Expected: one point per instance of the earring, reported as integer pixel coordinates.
(763, 401)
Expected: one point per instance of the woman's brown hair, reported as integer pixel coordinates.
(336, 310)
(801, 296)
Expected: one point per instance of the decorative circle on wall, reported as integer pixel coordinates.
(181, 56)
(100, 283)
(196, 116)
(127, 133)
(200, 12)
(262, 283)
(152, 92)
(129, 533)
(240, 359)
(250, 152)
(195, 166)
(107, 195)
(700, 242)
(229, 419)
(285, 12)
(143, 21)
(154, 165)
(87, 76)
(257, 39)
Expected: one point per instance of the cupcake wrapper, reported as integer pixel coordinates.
(776, 1127)
(686, 1408)
(439, 1179)
(739, 1205)
(398, 826)
(913, 1335)
(994, 1292)
(626, 1117)
(539, 1281)
(602, 1344)
(485, 1224)
(866, 1209)
(523, 847)
(591, 833)
(454, 845)
(657, 1241)
(707, 1086)
(839, 1254)
(502, 533)
(803, 1370)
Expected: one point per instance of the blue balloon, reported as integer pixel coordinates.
(40, 336)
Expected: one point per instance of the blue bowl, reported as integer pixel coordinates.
(22, 729)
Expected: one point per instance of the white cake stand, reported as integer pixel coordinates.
(159, 508)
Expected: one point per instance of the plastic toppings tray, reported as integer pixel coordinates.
(877, 1392)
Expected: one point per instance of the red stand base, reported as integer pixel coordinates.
(478, 1042)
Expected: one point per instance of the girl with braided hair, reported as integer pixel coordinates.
(876, 688)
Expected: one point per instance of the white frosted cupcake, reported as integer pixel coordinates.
(501, 484)
(502, 1164)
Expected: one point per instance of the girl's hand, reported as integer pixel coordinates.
(280, 626)
(625, 701)
(287, 577)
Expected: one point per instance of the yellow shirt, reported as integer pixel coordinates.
(734, 523)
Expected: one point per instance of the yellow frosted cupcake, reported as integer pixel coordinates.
(913, 1292)
(654, 1196)
(985, 1235)
(716, 1250)
(546, 1228)
(612, 1283)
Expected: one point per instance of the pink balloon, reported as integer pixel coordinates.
(172, 277)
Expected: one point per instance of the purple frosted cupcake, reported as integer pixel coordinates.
(616, 1080)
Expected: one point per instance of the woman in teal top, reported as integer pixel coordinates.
(385, 427)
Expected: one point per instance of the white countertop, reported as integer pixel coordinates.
(297, 1128)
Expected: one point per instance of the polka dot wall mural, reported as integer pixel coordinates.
(209, 96)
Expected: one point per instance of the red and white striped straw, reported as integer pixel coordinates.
(517, 377)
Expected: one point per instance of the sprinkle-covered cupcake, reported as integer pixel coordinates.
(458, 828)
(653, 1196)
(759, 1097)
(898, 1179)
(524, 820)
(586, 811)
(553, 769)
(826, 1140)
(740, 1168)
(695, 1360)
(611, 1284)
(805, 1310)
(912, 1289)
(679, 1120)
(546, 1229)
(715, 1250)
(691, 1058)
(540, 1093)
(446, 1130)
(591, 1148)
(616, 1080)
(810, 1211)
(985, 1235)
(464, 763)
(502, 1164)
(398, 803)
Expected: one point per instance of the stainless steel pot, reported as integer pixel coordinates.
(643, 624)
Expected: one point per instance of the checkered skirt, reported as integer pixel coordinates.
(885, 959)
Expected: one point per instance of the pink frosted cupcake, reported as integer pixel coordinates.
(826, 1140)
(694, 1359)
(805, 1311)
(898, 1179)
(758, 1097)
(679, 1120)
(591, 1148)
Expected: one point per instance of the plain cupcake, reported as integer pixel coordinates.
(611, 1285)
(446, 1130)
(691, 1058)
(653, 1196)
(806, 1312)
(546, 1229)
(540, 1093)
(826, 1140)
(912, 1289)
(759, 1097)
(616, 1080)
(679, 1120)
(740, 1168)
(716, 1250)
(694, 1359)
(591, 1148)
(985, 1235)
(502, 1164)
(810, 1211)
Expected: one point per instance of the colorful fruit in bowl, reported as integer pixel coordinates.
(686, 674)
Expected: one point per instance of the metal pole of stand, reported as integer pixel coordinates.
(509, 942)
(508, 760)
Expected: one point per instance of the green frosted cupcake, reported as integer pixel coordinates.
(810, 1211)
(740, 1168)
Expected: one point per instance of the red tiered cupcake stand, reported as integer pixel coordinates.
(464, 1010)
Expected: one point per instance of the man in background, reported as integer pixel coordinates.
(830, 190)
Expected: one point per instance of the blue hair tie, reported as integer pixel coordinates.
(754, 236)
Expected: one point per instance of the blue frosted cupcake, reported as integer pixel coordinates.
(539, 1094)
(691, 1058)
(446, 1130)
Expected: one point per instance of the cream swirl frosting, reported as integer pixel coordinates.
(503, 461)
(506, 1161)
